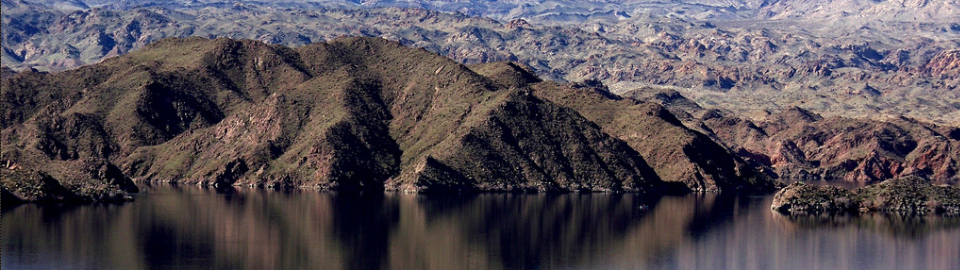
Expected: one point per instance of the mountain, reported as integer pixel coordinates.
(858, 91)
(800, 144)
(353, 113)
(863, 59)
(905, 10)
(675, 152)
(566, 11)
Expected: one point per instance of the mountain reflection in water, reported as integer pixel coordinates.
(192, 228)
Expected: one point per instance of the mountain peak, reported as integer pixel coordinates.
(346, 114)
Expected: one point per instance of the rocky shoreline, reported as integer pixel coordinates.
(908, 195)
(31, 186)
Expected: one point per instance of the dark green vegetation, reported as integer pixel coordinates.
(349, 114)
(909, 195)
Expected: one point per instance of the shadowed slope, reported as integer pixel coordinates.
(675, 152)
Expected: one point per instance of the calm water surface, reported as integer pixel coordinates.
(193, 228)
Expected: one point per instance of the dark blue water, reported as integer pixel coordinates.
(193, 228)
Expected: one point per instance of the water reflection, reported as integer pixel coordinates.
(190, 228)
(891, 224)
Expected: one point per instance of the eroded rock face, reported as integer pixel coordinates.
(796, 143)
(944, 65)
(852, 150)
(354, 113)
(909, 195)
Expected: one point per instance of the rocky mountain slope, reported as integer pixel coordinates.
(846, 58)
(799, 144)
(675, 152)
(348, 114)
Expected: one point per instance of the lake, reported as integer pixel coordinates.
(185, 227)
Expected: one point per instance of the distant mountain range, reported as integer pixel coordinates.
(856, 58)
(567, 11)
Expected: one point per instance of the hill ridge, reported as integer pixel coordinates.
(352, 113)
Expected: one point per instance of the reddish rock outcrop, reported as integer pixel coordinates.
(798, 144)
(945, 65)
